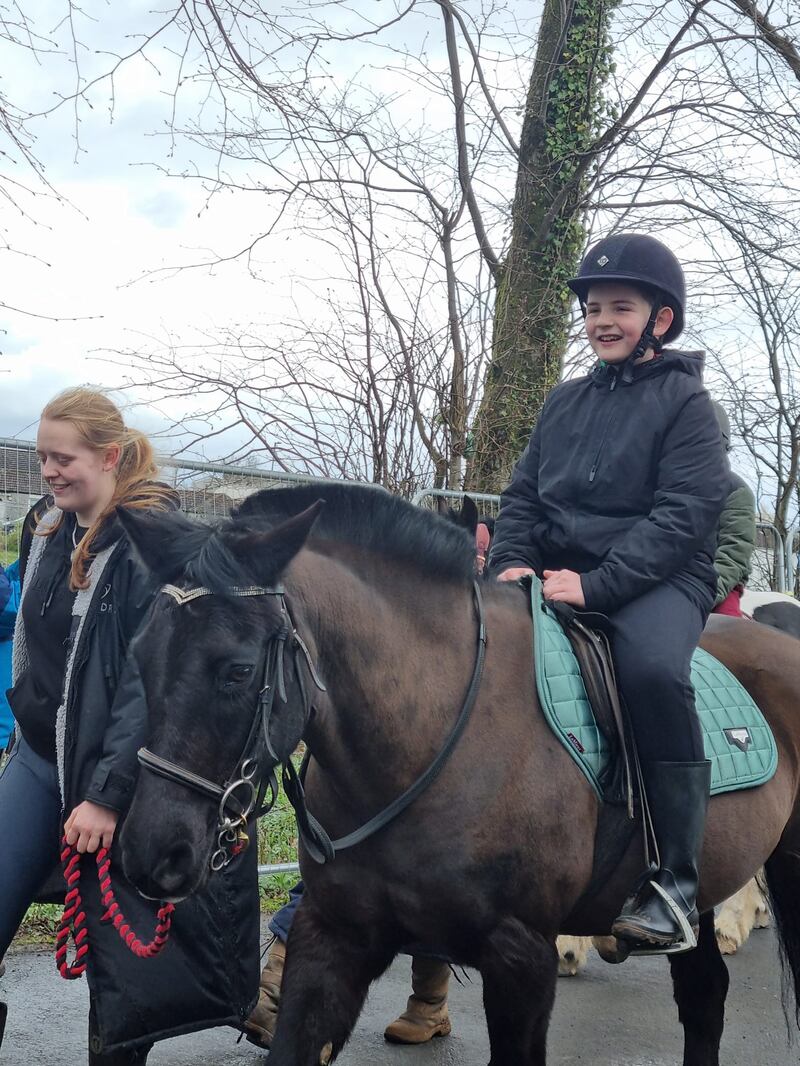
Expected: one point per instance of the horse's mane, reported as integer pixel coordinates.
(368, 516)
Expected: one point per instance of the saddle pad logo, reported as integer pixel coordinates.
(576, 744)
(740, 738)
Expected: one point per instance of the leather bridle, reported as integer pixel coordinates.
(243, 794)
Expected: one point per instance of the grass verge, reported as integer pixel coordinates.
(277, 843)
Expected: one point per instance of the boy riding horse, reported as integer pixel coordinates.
(615, 503)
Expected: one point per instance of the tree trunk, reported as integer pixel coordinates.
(563, 110)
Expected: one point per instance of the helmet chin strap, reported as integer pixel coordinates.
(647, 340)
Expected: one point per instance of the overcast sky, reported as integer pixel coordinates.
(80, 269)
(84, 259)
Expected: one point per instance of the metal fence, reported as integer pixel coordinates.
(210, 490)
(207, 490)
(774, 560)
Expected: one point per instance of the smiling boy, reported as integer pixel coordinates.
(615, 503)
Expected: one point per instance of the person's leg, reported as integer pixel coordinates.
(654, 639)
(426, 1014)
(30, 813)
(281, 921)
(260, 1026)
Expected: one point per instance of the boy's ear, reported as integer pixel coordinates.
(664, 320)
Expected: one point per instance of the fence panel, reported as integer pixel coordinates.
(207, 490)
(211, 490)
(772, 560)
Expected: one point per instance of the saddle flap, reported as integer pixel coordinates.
(592, 650)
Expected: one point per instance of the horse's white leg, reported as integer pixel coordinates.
(762, 919)
(573, 951)
(738, 916)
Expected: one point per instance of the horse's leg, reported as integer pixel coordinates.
(700, 984)
(732, 924)
(98, 1057)
(328, 972)
(519, 968)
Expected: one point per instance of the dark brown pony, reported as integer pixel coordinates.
(506, 848)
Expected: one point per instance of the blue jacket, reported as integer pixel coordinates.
(9, 601)
(623, 481)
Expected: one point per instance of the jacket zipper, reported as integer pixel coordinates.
(596, 462)
(609, 423)
(80, 659)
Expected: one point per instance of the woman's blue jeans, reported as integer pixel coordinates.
(30, 813)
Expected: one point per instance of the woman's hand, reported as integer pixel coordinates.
(91, 826)
(515, 573)
(564, 585)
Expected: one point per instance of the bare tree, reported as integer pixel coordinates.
(760, 382)
(687, 127)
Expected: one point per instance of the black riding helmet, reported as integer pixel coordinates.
(644, 262)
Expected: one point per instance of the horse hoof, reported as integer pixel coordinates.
(728, 945)
(326, 1054)
(3, 1016)
(612, 950)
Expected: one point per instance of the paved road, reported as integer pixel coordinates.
(609, 1016)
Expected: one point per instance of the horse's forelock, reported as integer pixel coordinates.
(215, 566)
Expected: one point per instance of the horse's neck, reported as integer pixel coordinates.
(396, 654)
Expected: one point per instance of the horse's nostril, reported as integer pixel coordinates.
(173, 870)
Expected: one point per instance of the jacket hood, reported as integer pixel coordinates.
(691, 363)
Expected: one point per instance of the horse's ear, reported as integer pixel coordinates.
(265, 554)
(443, 507)
(164, 541)
(469, 515)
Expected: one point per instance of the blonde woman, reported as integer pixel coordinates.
(81, 720)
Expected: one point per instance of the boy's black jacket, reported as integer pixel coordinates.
(623, 481)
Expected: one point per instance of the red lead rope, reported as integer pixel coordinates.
(73, 920)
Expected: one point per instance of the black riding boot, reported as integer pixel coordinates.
(661, 914)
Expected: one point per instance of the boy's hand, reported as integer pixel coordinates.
(90, 826)
(515, 573)
(564, 585)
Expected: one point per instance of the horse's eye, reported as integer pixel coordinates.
(237, 673)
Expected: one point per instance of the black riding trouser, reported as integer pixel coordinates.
(653, 640)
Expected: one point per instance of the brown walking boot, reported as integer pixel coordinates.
(260, 1026)
(426, 1013)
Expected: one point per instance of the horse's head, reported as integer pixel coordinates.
(225, 681)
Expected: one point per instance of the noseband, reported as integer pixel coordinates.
(231, 835)
(243, 794)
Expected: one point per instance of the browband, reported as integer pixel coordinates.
(182, 596)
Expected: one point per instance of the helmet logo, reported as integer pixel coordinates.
(602, 260)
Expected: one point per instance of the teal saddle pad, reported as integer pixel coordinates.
(737, 739)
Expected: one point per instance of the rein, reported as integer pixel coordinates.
(316, 840)
(231, 835)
